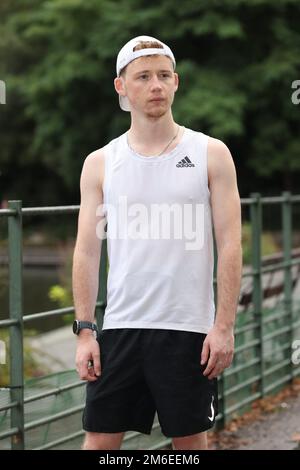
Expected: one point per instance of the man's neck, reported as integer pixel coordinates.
(150, 134)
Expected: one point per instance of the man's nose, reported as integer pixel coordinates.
(155, 82)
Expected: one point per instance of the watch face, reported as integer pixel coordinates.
(75, 327)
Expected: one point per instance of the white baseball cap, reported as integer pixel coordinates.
(127, 55)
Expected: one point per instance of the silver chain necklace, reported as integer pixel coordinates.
(165, 148)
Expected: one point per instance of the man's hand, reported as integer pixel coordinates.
(218, 350)
(88, 356)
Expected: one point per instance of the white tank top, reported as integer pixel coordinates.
(159, 237)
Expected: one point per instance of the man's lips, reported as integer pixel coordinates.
(156, 99)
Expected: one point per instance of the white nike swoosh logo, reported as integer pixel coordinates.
(211, 418)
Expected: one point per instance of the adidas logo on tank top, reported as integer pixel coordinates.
(185, 162)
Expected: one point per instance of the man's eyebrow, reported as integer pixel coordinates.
(147, 71)
(141, 71)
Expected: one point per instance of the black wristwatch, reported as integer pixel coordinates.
(79, 325)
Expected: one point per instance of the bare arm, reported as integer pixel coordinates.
(86, 261)
(226, 213)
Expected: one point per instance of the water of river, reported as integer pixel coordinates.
(36, 284)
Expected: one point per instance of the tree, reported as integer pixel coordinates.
(236, 59)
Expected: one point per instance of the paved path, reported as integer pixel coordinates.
(56, 349)
(278, 430)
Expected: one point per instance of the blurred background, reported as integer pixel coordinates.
(236, 59)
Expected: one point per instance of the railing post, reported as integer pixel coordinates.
(256, 229)
(287, 248)
(102, 292)
(16, 331)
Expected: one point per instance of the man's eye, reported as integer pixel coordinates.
(144, 76)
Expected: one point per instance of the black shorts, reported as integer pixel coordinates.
(149, 370)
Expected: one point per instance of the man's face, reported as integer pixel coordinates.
(150, 83)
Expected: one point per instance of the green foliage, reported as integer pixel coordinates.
(268, 244)
(32, 367)
(62, 293)
(237, 60)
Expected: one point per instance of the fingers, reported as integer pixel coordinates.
(217, 370)
(205, 352)
(217, 352)
(88, 359)
(89, 369)
(217, 364)
(86, 371)
(211, 365)
(96, 364)
(91, 375)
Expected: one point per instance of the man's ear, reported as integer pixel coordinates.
(120, 86)
(176, 77)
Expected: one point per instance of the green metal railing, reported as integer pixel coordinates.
(14, 213)
(261, 332)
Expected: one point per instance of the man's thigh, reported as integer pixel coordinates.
(119, 400)
(103, 441)
(185, 399)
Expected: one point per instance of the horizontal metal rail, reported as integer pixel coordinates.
(9, 406)
(9, 433)
(63, 440)
(236, 369)
(55, 417)
(55, 391)
(242, 403)
(244, 329)
(246, 346)
(244, 384)
(277, 367)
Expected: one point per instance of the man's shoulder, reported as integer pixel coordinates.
(94, 162)
(218, 153)
(95, 156)
(217, 147)
(93, 168)
(219, 159)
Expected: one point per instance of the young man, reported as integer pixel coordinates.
(161, 188)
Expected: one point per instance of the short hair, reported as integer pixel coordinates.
(148, 45)
(144, 45)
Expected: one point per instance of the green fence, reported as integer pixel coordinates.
(46, 412)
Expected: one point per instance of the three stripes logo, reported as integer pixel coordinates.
(185, 162)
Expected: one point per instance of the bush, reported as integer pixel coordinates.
(268, 244)
(32, 368)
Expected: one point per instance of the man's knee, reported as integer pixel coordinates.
(193, 442)
(102, 441)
